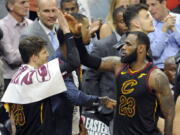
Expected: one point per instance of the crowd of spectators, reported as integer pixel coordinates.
(102, 26)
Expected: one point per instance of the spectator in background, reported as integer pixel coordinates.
(72, 6)
(107, 28)
(12, 26)
(165, 40)
(69, 6)
(137, 18)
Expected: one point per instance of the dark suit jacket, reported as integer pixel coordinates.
(101, 83)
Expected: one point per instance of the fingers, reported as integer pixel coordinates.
(171, 20)
(109, 103)
(70, 18)
(63, 24)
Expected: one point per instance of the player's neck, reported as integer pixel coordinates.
(138, 65)
(32, 64)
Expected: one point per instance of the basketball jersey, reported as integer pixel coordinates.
(136, 112)
(33, 118)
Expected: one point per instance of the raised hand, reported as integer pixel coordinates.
(107, 102)
(95, 26)
(169, 23)
(74, 26)
(63, 24)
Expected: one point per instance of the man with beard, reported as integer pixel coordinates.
(141, 87)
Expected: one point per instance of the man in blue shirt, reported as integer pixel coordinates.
(165, 40)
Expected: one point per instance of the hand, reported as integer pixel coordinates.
(109, 103)
(63, 24)
(169, 23)
(86, 37)
(95, 26)
(74, 26)
(83, 130)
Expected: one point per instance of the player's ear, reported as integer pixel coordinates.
(141, 48)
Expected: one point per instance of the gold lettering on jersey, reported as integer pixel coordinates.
(127, 106)
(141, 75)
(127, 86)
(18, 112)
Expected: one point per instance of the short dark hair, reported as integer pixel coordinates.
(31, 46)
(1, 34)
(79, 17)
(7, 4)
(64, 1)
(142, 38)
(117, 11)
(132, 11)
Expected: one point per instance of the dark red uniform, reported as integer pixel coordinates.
(136, 112)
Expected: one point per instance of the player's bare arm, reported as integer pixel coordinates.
(159, 83)
(176, 129)
(110, 63)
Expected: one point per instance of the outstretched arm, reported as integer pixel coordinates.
(159, 82)
(72, 60)
(105, 64)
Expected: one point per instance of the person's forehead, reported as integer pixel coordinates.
(47, 4)
(151, 1)
(143, 12)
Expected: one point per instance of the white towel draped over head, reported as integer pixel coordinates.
(30, 85)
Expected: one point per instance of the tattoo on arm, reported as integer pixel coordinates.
(165, 98)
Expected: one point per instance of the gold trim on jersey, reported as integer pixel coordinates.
(41, 112)
(131, 71)
(141, 75)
